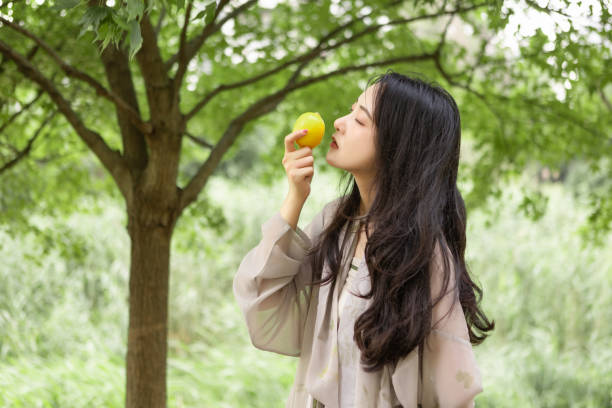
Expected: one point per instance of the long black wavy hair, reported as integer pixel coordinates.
(416, 206)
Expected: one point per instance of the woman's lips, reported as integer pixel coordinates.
(334, 144)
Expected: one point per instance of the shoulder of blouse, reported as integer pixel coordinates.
(329, 209)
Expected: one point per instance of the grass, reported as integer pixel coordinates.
(63, 307)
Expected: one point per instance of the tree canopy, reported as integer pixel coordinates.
(546, 99)
(163, 93)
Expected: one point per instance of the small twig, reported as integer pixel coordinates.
(605, 99)
(4, 4)
(160, 20)
(15, 115)
(26, 150)
(195, 43)
(198, 140)
(546, 9)
(183, 60)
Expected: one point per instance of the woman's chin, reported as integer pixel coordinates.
(335, 164)
(330, 160)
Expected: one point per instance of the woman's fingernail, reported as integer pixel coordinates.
(305, 131)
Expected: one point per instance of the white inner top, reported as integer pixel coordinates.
(349, 309)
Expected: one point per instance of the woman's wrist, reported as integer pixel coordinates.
(291, 209)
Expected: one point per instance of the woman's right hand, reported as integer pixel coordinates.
(299, 166)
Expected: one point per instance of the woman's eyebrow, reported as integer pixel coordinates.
(366, 111)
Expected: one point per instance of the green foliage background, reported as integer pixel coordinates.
(63, 311)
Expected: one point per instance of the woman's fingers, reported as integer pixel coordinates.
(304, 162)
(297, 175)
(292, 137)
(299, 165)
(296, 154)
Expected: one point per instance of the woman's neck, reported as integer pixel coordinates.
(366, 192)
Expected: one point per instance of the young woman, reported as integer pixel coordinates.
(373, 295)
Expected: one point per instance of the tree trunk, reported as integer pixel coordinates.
(147, 334)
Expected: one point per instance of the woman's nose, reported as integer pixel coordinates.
(337, 123)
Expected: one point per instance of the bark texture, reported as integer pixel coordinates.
(148, 314)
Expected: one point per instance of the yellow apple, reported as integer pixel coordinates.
(316, 128)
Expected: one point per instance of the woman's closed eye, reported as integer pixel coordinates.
(356, 120)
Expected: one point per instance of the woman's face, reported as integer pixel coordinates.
(354, 137)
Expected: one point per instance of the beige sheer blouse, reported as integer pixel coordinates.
(285, 316)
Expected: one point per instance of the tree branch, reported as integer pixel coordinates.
(10, 147)
(376, 27)
(309, 56)
(568, 115)
(29, 56)
(260, 108)
(438, 62)
(26, 150)
(152, 69)
(479, 58)
(80, 75)
(303, 59)
(449, 78)
(110, 159)
(6, 3)
(605, 99)
(491, 106)
(160, 20)
(443, 35)
(15, 115)
(199, 141)
(119, 76)
(546, 10)
(193, 45)
(183, 60)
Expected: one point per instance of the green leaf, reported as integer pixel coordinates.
(92, 17)
(104, 34)
(120, 21)
(83, 31)
(199, 15)
(135, 38)
(209, 12)
(64, 4)
(180, 4)
(135, 9)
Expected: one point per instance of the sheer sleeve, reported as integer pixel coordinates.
(451, 377)
(270, 285)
